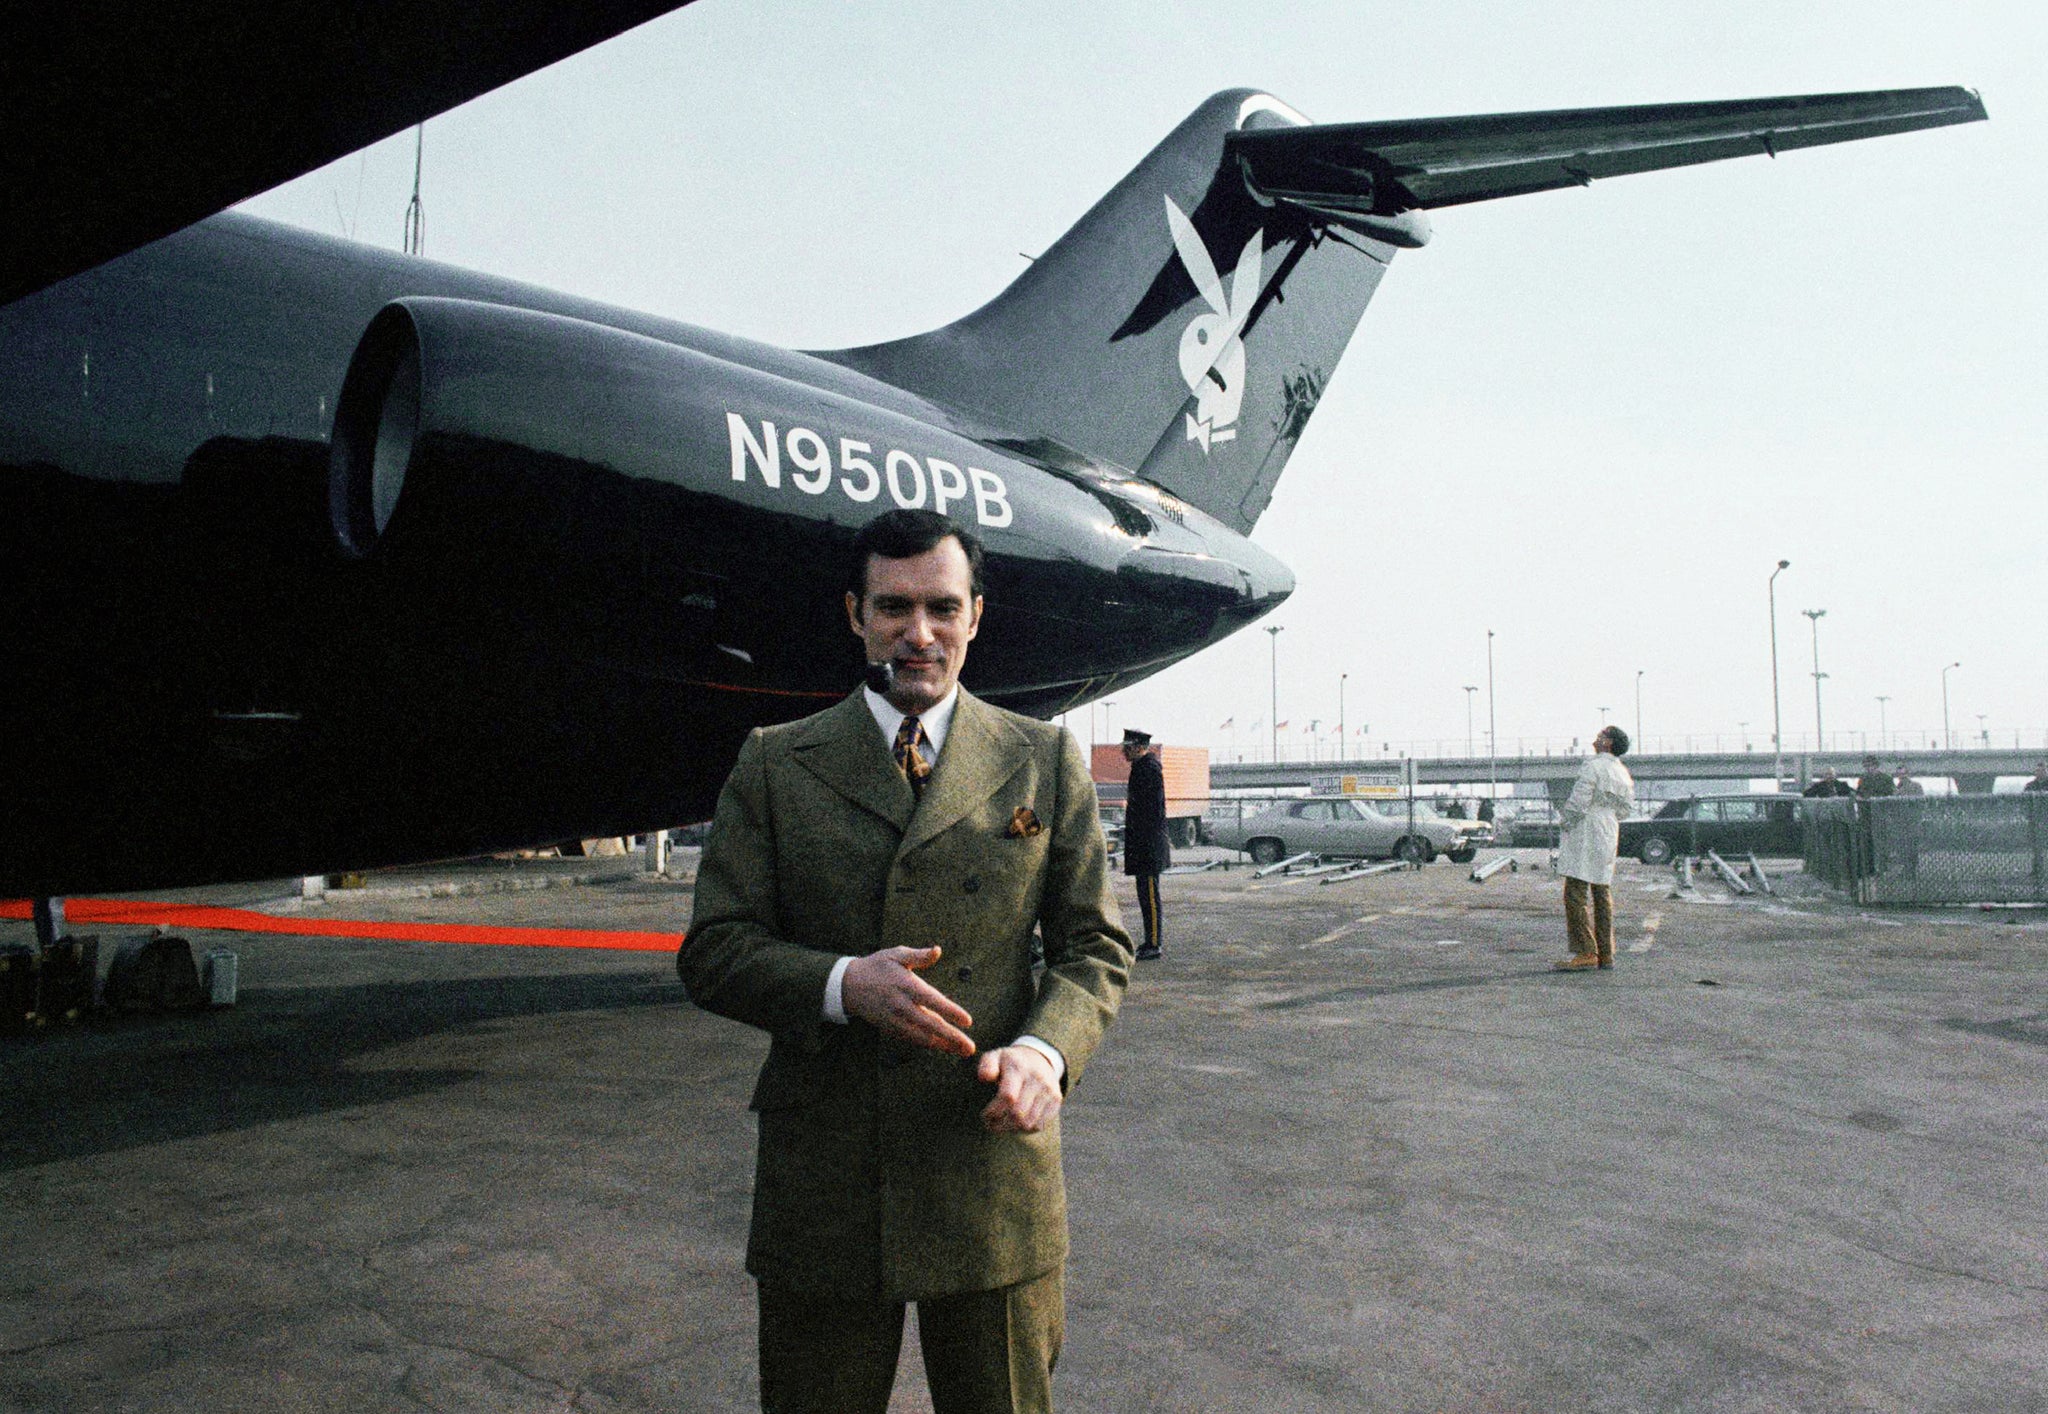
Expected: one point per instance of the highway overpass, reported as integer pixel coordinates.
(1973, 770)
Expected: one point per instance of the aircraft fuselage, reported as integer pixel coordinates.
(541, 595)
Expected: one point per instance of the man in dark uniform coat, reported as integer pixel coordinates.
(1827, 787)
(1147, 850)
(908, 1111)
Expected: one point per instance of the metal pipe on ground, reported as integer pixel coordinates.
(1681, 875)
(1366, 871)
(1283, 865)
(1324, 869)
(1728, 875)
(1756, 872)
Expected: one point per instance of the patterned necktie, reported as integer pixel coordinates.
(910, 757)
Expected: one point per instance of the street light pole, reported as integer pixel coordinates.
(1469, 752)
(1777, 724)
(1883, 732)
(1982, 733)
(1639, 709)
(1820, 740)
(1492, 741)
(1340, 714)
(1273, 709)
(1948, 742)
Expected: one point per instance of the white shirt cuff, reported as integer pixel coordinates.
(835, 986)
(1049, 1051)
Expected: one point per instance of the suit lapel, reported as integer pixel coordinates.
(982, 753)
(844, 749)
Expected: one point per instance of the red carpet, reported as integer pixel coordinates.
(142, 913)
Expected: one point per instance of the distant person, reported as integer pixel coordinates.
(1827, 786)
(1904, 784)
(1486, 809)
(1601, 795)
(2040, 778)
(1874, 781)
(1147, 849)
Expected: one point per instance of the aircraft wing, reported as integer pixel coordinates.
(126, 122)
(1385, 168)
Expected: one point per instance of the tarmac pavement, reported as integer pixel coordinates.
(1351, 1147)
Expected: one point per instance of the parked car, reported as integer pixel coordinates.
(1535, 834)
(1471, 833)
(1345, 829)
(1727, 824)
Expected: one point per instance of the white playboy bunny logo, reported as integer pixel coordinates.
(1211, 353)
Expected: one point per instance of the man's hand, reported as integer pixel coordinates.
(884, 990)
(1027, 1091)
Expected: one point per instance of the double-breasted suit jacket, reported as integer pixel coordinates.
(874, 1175)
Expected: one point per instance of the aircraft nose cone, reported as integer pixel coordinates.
(1236, 581)
(1268, 582)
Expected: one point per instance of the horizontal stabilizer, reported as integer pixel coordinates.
(1385, 168)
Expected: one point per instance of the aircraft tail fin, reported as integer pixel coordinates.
(1186, 326)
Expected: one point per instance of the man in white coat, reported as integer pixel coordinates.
(1603, 793)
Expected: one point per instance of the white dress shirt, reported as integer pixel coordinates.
(936, 723)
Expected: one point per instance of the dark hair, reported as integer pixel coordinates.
(1618, 740)
(899, 535)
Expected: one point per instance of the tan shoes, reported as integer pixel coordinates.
(1578, 962)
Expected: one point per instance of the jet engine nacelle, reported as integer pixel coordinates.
(551, 469)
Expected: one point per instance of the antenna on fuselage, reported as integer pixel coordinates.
(415, 210)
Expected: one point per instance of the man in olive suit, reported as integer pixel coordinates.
(868, 895)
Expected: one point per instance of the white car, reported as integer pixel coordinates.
(1346, 828)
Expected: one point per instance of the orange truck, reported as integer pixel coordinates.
(1186, 769)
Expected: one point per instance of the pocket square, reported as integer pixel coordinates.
(1023, 824)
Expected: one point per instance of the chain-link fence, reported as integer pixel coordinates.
(1932, 849)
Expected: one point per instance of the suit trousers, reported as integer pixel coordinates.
(985, 1352)
(1589, 918)
(1148, 906)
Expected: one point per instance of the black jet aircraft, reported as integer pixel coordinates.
(320, 556)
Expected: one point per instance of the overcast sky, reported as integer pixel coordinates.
(1591, 421)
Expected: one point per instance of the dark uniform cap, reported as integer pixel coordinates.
(1134, 737)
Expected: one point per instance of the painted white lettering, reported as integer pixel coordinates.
(808, 451)
(767, 453)
(949, 483)
(897, 461)
(871, 483)
(991, 498)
